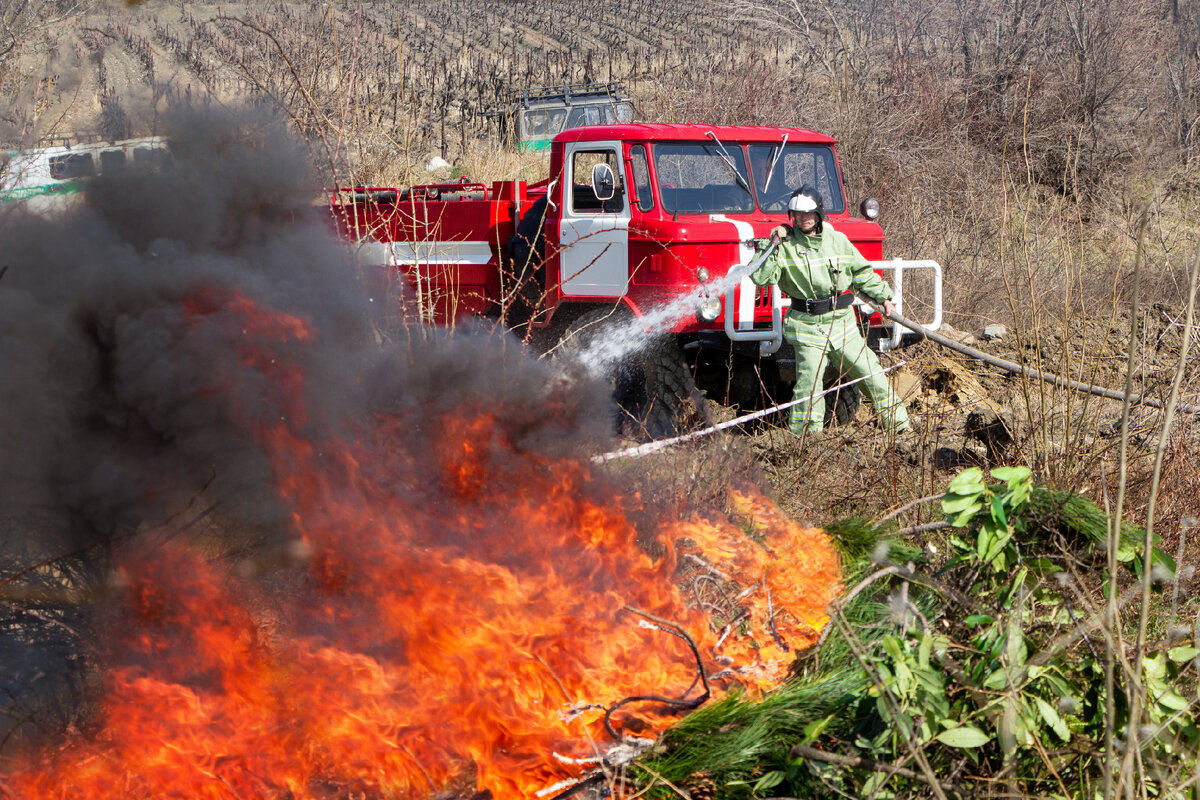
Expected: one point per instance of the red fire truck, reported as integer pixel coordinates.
(631, 218)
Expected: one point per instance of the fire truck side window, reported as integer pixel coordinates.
(583, 199)
(641, 177)
(799, 165)
(72, 165)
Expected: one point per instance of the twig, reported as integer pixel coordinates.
(698, 580)
(1114, 653)
(34, 567)
(707, 566)
(862, 762)
(771, 624)
(1148, 543)
(909, 574)
(729, 626)
(1180, 324)
(850, 595)
(42, 618)
(672, 786)
(923, 528)
(908, 507)
(571, 791)
(420, 766)
(678, 702)
(313, 107)
(749, 590)
(566, 695)
(228, 786)
(1127, 396)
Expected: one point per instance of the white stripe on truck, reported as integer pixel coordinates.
(747, 291)
(403, 254)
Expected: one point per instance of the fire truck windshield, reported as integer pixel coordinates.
(799, 165)
(695, 178)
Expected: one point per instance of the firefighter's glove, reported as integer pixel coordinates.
(780, 232)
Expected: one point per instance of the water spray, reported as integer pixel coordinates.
(618, 341)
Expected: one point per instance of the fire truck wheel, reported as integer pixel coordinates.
(840, 406)
(654, 389)
(677, 405)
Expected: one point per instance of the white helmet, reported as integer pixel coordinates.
(802, 203)
(807, 199)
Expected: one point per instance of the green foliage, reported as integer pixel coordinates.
(993, 665)
(855, 537)
(969, 501)
(738, 742)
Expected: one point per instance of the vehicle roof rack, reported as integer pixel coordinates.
(568, 92)
(69, 139)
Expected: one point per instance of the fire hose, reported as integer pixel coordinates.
(1011, 366)
(659, 444)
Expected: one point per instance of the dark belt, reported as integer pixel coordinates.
(825, 304)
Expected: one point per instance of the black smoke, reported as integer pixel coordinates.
(113, 414)
(127, 406)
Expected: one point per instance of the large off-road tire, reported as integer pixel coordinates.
(653, 387)
(842, 405)
(676, 403)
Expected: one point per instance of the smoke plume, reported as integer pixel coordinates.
(130, 391)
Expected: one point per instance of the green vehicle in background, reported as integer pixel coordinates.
(63, 165)
(533, 117)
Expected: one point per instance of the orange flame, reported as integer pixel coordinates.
(462, 615)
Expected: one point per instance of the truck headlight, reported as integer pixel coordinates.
(709, 307)
(869, 208)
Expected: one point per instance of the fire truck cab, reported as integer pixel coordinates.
(631, 218)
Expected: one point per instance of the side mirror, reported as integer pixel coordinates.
(604, 183)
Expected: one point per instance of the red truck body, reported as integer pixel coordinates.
(632, 215)
(452, 240)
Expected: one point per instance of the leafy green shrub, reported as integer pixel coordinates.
(985, 675)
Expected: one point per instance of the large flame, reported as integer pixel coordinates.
(479, 635)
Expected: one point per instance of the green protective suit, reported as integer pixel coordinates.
(815, 267)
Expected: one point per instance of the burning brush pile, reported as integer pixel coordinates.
(252, 553)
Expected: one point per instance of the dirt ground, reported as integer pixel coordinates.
(971, 413)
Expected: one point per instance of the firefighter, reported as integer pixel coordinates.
(815, 266)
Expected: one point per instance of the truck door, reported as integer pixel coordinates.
(593, 233)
